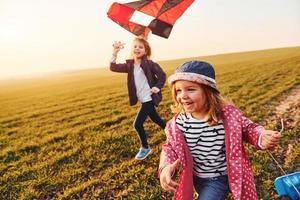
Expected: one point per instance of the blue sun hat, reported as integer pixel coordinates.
(196, 71)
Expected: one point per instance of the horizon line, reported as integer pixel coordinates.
(39, 74)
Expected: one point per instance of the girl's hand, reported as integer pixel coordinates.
(270, 139)
(165, 177)
(117, 47)
(154, 90)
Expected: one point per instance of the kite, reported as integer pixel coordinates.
(162, 15)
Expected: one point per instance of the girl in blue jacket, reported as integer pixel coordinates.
(144, 81)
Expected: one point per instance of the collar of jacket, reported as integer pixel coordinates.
(131, 61)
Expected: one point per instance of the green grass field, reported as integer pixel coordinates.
(70, 136)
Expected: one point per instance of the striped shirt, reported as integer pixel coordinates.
(206, 144)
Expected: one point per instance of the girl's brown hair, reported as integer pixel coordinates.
(213, 104)
(146, 45)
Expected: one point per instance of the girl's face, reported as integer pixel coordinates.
(138, 50)
(192, 98)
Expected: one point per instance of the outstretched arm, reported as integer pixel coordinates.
(251, 131)
(117, 46)
(258, 136)
(269, 139)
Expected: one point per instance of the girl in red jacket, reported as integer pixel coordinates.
(206, 137)
(144, 81)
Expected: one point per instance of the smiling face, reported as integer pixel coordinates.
(192, 98)
(138, 49)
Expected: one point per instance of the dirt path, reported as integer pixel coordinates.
(292, 100)
(289, 108)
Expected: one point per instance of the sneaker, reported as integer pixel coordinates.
(143, 153)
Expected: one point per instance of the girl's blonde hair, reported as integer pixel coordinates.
(146, 45)
(214, 103)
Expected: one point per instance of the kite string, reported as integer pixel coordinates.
(277, 163)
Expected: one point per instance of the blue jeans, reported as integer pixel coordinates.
(147, 109)
(215, 188)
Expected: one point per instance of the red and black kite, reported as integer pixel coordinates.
(164, 12)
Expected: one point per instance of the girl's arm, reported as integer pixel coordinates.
(164, 162)
(168, 165)
(251, 131)
(167, 154)
(122, 67)
(166, 174)
(269, 139)
(160, 74)
(259, 137)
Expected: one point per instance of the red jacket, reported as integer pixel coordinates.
(156, 77)
(240, 176)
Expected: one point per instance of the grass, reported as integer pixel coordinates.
(70, 136)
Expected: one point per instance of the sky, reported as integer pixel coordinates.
(42, 36)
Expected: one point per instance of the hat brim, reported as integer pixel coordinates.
(188, 76)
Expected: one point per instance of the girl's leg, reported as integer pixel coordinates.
(154, 115)
(216, 188)
(138, 124)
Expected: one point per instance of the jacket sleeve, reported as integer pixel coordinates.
(251, 131)
(122, 67)
(160, 74)
(167, 155)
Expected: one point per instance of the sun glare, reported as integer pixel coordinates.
(12, 32)
(16, 23)
(18, 30)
